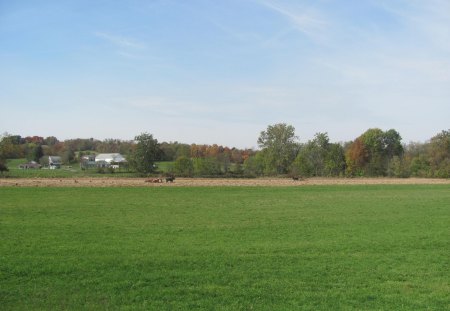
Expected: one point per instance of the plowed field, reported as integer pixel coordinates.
(216, 182)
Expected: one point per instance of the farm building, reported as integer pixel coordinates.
(54, 162)
(30, 165)
(110, 160)
(88, 161)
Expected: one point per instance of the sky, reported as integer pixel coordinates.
(221, 71)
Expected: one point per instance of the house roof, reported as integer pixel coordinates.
(30, 164)
(110, 157)
(54, 159)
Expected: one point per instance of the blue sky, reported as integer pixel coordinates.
(210, 71)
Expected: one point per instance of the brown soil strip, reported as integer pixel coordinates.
(215, 182)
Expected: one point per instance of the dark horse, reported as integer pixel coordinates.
(170, 179)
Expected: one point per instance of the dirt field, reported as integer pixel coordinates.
(219, 182)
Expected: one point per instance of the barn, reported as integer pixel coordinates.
(30, 165)
(54, 162)
(110, 160)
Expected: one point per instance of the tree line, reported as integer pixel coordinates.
(373, 153)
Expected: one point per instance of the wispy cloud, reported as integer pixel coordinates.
(165, 106)
(120, 41)
(307, 21)
(429, 18)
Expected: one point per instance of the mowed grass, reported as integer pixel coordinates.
(297, 248)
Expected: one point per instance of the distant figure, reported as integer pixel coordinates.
(295, 178)
(154, 180)
(170, 179)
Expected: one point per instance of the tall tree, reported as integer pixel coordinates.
(373, 140)
(319, 157)
(145, 154)
(335, 161)
(68, 156)
(37, 153)
(303, 164)
(356, 158)
(280, 147)
(51, 140)
(392, 143)
(439, 154)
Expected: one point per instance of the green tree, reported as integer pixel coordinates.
(37, 153)
(51, 140)
(439, 154)
(237, 169)
(280, 147)
(183, 167)
(397, 167)
(3, 167)
(11, 146)
(373, 140)
(420, 167)
(145, 154)
(68, 156)
(319, 157)
(392, 144)
(224, 160)
(302, 165)
(319, 150)
(254, 165)
(5, 146)
(335, 160)
(207, 167)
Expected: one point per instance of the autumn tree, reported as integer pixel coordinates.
(356, 158)
(371, 152)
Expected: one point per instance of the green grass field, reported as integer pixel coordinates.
(296, 248)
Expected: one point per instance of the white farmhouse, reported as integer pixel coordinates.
(54, 162)
(109, 160)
